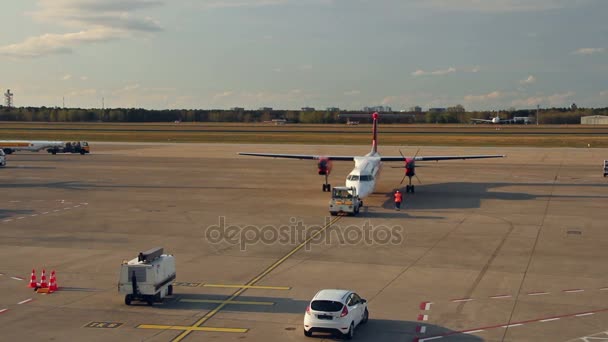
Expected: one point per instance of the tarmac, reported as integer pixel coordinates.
(510, 249)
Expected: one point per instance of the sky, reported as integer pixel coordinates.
(288, 54)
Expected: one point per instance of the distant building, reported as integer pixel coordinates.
(456, 109)
(266, 109)
(574, 107)
(237, 109)
(333, 109)
(308, 109)
(379, 109)
(594, 120)
(437, 110)
(416, 109)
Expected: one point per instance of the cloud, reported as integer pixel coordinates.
(66, 77)
(500, 5)
(222, 95)
(131, 87)
(305, 67)
(438, 72)
(277, 70)
(531, 79)
(483, 97)
(352, 92)
(217, 4)
(83, 78)
(588, 51)
(604, 93)
(96, 21)
(555, 100)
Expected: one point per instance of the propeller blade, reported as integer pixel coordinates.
(418, 179)
(402, 179)
(401, 154)
(415, 155)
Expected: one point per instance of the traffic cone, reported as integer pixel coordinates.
(53, 283)
(33, 283)
(43, 283)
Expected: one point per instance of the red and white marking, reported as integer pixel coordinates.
(426, 306)
(3, 310)
(421, 329)
(511, 324)
(423, 317)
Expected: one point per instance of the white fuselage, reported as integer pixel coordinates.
(365, 174)
(29, 145)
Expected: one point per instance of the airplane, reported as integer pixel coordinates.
(367, 168)
(10, 146)
(494, 120)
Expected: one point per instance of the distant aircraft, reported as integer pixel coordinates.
(10, 146)
(367, 168)
(494, 120)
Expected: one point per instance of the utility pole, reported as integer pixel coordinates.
(537, 114)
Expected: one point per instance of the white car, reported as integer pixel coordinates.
(335, 311)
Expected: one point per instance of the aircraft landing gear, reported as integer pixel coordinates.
(409, 187)
(326, 186)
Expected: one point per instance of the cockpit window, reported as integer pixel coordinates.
(353, 177)
(366, 178)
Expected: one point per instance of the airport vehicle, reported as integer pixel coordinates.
(367, 168)
(81, 147)
(148, 278)
(2, 158)
(344, 201)
(605, 168)
(335, 311)
(10, 146)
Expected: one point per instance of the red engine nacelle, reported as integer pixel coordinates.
(410, 167)
(324, 166)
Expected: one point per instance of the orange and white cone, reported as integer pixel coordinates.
(53, 283)
(33, 283)
(43, 283)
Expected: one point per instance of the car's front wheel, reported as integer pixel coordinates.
(307, 333)
(351, 332)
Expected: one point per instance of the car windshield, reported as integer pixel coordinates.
(326, 305)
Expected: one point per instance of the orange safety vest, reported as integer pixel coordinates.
(397, 197)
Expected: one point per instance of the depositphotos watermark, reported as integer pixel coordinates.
(297, 233)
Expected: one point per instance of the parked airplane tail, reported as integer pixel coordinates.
(375, 133)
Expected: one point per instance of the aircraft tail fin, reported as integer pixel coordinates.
(375, 133)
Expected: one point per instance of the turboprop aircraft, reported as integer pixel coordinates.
(367, 168)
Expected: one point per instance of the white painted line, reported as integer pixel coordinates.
(537, 293)
(84, 203)
(604, 289)
(34, 215)
(76, 206)
(462, 300)
(20, 218)
(3, 310)
(8, 220)
(512, 325)
(56, 210)
(472, 331)
(44, 213)
(574, 290)
(501, 296)
(16, 278)
(549, 319)
(25, 301)
(430, 338)
(68, 208)
(585, 314)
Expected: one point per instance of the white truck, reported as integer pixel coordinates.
(148, 278)
(344, 201)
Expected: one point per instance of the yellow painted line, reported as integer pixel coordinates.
(191, 328)
(259, 287)
(236, 302)
(256, 279)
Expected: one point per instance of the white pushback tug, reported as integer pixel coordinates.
(148, 278)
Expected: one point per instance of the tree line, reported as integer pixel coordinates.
(139, 115)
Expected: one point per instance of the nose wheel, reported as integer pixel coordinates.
(409, 188)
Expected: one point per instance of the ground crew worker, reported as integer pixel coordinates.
(398, 199)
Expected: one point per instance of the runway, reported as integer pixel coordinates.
(509, 249)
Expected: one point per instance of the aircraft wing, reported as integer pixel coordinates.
(297, 156)
(438, 158)
(481, 120)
